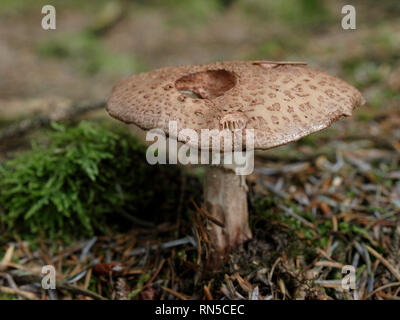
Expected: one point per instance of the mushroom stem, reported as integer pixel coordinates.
(225, 200)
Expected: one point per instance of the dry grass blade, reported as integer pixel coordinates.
(389, 285)
(330, 264)
(205, 213)
(29, 277)
(176, 294)
(207, 292)
(87, 278)
(155, 274)
(244, 284)
(384, 262)
(78, 290)
(19, 292)
(290, 212)
(282, 288)
(7, 257)
(273, 268)
(336, 284)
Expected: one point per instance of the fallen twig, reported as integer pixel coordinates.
(44, 120)
(384, 262)
(166, 245)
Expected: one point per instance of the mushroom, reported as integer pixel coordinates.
(280, 102)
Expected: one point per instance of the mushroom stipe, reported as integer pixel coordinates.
(281, 101)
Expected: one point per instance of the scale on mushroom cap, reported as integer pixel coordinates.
(280, 102)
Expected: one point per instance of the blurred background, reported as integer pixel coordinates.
(98, 42)
(339, 188)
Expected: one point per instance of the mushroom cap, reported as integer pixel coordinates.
(281, 101)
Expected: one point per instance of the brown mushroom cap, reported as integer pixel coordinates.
(281, 101)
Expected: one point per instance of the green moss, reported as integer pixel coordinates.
(81, 177)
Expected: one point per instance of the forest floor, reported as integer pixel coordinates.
(317, 205)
